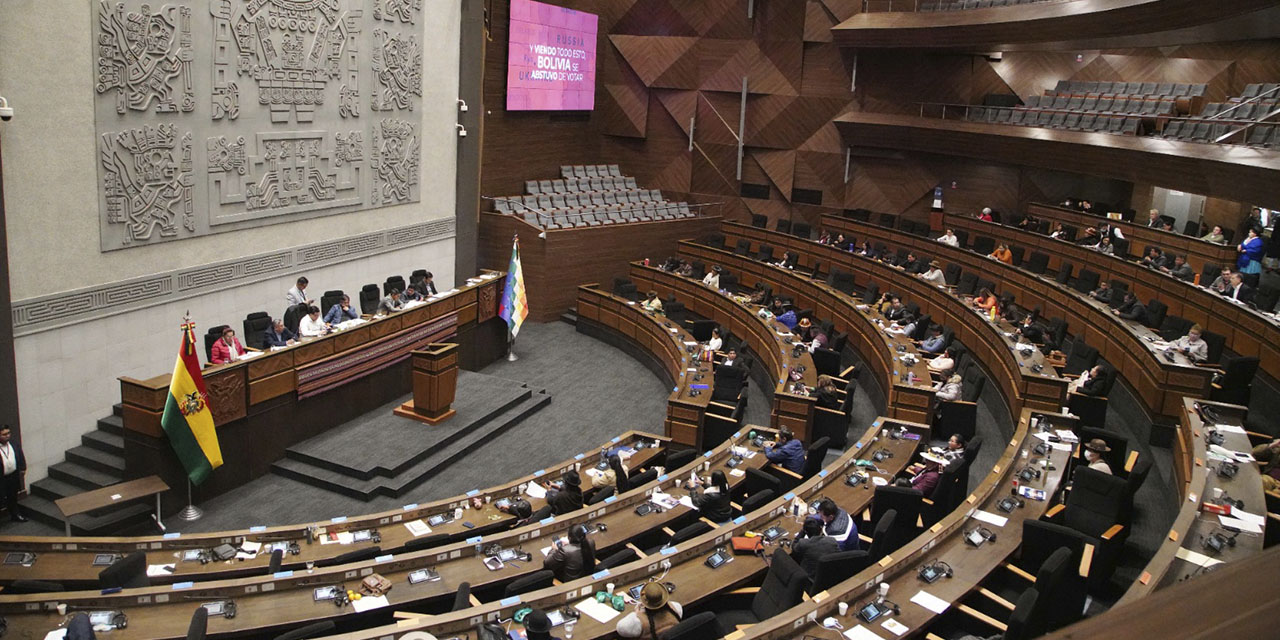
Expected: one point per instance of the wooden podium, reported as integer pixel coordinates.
(435, 379)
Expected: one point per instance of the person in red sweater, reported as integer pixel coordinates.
(227, 348)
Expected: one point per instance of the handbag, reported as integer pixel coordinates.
(375, 585)
(491, 631)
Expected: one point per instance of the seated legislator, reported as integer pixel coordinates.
(227, 348)
(1031, 329)
(411, 294)
(934, 275)
(390, 303)
(811, 544)
(760, 295)
(985, 300)
(565, 495)
(712, 279)
(788, 453)
(985, 215)
(837, 523)
(936, 342)
(828, 396)
(575, 559)
(278, 335)
(1131, 309)
(1057, 231)
(949, 238)
(652, 302)
(811, 336)
(950, 390)
(298, 294)
(842, 243)
(716, 341)
(1093, 451)
(788, 260)
(787, 317)
(951, 453)
(520, 509)
(942, 364)
(425, 285)
(1179, 269)
(865, 249)
(1028, 222)
(1268, 456)
(670, 264)
(712, 499)
(1102, 293)
(1215, 235)
(1239, 290)
(655, 613)
(609, 477)
(312, 325)
(912, 263)
(341, 312)
(1155, 258)
(1222, 283)
(926, 480)
(731, 359)
(1192, 346)
(537, 626)
(896, 311)
(1104, 246)
(1153, 219)
(1091, 382)
(1002, 253)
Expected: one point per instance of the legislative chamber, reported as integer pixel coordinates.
(660, 319)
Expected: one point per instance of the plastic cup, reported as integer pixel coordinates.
(608, 588)
(843, 607)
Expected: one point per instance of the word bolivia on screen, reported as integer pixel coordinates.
(551, 59)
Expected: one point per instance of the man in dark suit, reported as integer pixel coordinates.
(1239, 290)
(1131, 309)
(425, 286)
(278, 335)
(1095, 385)
(13, 465)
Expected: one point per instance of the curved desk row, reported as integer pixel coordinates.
(768, 340)
(286, 598)
(267, 403)
(882, 350)
(1247, 331)
(1160, 380)
(1183, 555)
(695, 581)
(1010, 370)
(1140, 236)
(691, 378)
(944, 541)
(70, 561)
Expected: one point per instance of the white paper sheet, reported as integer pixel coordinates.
(154, 570)
(1236, 523)
(367, 603)
(990, 518)
(896, 627)
(56, 634)
(861, 633)
(1255, 520)
(1196, 558)
(417, 528)
(930, 601)
(535, 491)
(1230, 428)
(598, 611)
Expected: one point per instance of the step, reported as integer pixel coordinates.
(117, 409)
(367, 489)
(113, 424)
(127, 518)
(95, 459)
(104, 441)
(54, 489)
(81, 476)
(570, 316)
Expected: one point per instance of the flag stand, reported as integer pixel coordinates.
(191, 511)
(511, 354)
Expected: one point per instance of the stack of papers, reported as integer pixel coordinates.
(154, 570)
(930, 601)
(366, 603)
(598, 611)
(1067, 435)
(417, 528)
(535, 491)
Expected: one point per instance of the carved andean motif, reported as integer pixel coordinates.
(284, 137)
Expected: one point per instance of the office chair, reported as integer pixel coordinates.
(462, 597)
(313, 630)
(255, 325)
(906, 502)
(369, 299)
(1236, 383)
(757, 500)
(837, 567)
(211, 336)
(1095, 507)
(425, 542)
(128, 572)
(601, 495)
(620, 557)
(677, 459)
(199, 626)
(277, 557)
(532, 582)
(359, 555)
(784, 587)
(831, 425)
(329, 299)
(18, 587)
(703, 626)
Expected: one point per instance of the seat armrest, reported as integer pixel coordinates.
(826, 410)
(784, 471)
(1054, 512)
(1112, 532)
(982, 617)
(1015, 570)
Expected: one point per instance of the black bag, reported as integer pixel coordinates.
(491, 631)
(222, 552)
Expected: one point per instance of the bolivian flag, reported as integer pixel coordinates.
(187, 419)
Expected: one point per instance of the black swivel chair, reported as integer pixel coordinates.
(532, 582)
(1038, 262)
(1095, 507)
(277, 558)
(759, 221)
(1064, 273)
(18, 587)
(801, 230)
(255, 325)
(782, 225)
(757, 500)
(462, 597)
(835, 568)
(743, 247)
(211, 336)
(425, 542)
(359, 555)
(908, 503)
(784, 586)
(329, 299)
(1216, 343)
(703, 626)
(1022, 624)
(677, 459)
(1043, 545)
(1156, 312)
(1236, 383)
(369, 299)
(1081, 358)
(128, 572)
(754, 482)
(884, 538)
(199, 626)
(1087, 280)
(313, 630)
(831, 425)
(1093, 409)
(620, 557)
(394, 282)
(765, 253)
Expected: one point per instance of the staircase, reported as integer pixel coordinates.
(98, 462)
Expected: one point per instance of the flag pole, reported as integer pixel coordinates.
(190, 512)
(511, 345)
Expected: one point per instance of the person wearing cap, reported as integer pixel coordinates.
(1093, 451)
(934, 275)
(574, 559)
(788, 453)
(567, 497)
(537, 626)
(926, 480)
(810, 335)
(1192, 346)
(949, 390)
(811, 544)
(712, 279)
(655, 613)
(652, 302)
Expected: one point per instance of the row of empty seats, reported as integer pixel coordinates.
(590, 171)
(547, 204)
(957, 5)
(1096, 103)
(596, 216)
(1148, 90)
(1260, 135)
(579, 185)
(1125, 125)
(590, 196)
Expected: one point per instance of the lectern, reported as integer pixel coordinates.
(435, 379)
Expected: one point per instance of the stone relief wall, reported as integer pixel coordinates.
(217, 115)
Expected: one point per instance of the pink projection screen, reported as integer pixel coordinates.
(551, 58)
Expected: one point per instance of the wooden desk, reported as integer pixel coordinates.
(1197, 477)
(674, 347)
(112, 495)
(1141, 236)
(1013, 377)
(1248, 332)
(1158, 383)
(882, 350)
(943, 541)
(267, 602)
(267, 403)
(69, 560)
(769, 342)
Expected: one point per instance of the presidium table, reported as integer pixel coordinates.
(266, 403)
